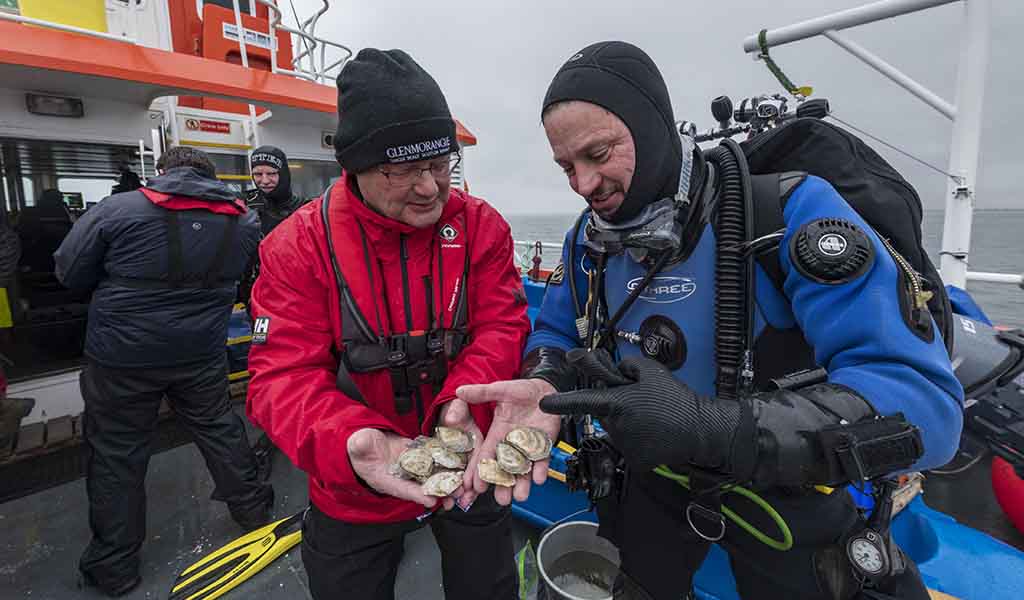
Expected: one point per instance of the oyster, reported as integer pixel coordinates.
(532, 442)
(491, 473)
(428, 443)
(416, 463)
(442, 483)
(444, 457)
(512, 460)
(455, 440)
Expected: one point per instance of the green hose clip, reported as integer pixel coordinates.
(800, 93)
(787, 536)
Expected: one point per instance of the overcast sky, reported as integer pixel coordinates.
(495, 58)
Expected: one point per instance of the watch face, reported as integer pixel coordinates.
(866, 555)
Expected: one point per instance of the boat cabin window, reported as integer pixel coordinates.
(47, 186)
(309, 177)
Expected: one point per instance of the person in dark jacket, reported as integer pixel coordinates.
(164, 262)
(273, 200)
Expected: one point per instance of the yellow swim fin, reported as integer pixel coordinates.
(221, 571)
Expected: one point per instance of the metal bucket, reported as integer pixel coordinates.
(576, 564)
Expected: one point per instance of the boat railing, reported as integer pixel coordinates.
(965, 113)
(314, 61)
(62, 27)
(526, 252)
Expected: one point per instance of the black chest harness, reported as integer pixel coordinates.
(215, 276)
(414, 357)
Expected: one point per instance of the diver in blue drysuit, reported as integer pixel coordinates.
(843, 291)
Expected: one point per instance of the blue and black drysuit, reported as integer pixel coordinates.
(861, 333)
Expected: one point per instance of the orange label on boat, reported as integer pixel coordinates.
(208, 126)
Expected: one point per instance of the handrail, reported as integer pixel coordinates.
(852, 17)
(545, 245)
(317, 73)
(966, 112)
(996, 277)
(69, 28)
(982, 276)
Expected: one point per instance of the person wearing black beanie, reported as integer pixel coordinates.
(391, 111)
(650, 325)
(375, 302)
(272, 197)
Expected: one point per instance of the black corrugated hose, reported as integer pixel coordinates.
(732, 317)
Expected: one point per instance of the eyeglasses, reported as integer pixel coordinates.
(440, 170)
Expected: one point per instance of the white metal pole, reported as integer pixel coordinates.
(861, 15)
(964, 147)
(995, 277)
(142, 161)
(157, 142)
(245, 64)
(872, 60)
(273, 18)
(172, 109)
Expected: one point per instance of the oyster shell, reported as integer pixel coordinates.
(512, 460)
(428, 443)
(455, 440)
(532, 442)
(442, 483)
(416, 463)
(444, 457)
(491, 473)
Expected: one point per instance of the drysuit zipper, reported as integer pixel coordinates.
(919, 297)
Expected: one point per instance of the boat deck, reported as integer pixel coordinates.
(44, 534)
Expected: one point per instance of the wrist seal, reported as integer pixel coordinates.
(549, 364)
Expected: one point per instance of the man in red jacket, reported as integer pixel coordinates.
(374, 303)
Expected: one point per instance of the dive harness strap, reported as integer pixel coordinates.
(413, 358)
(871, 449)
(213, 277)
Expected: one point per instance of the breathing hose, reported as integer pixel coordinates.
(731, 285)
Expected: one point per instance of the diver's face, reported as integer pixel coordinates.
(266, 178)
(595, 150)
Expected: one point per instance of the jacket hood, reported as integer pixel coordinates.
(188, 181)
(274, 157)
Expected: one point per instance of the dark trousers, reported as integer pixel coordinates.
(345, 560)
(121, 408)
(660, 551)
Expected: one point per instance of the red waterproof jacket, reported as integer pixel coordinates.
(293, 395)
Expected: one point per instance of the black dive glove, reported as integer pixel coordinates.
(823, 433)
(550, 365)
(654, 419)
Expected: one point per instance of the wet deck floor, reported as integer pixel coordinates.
(42, 535)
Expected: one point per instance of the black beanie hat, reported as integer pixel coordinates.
(389, 111)
(272, 156)
(622, 79)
